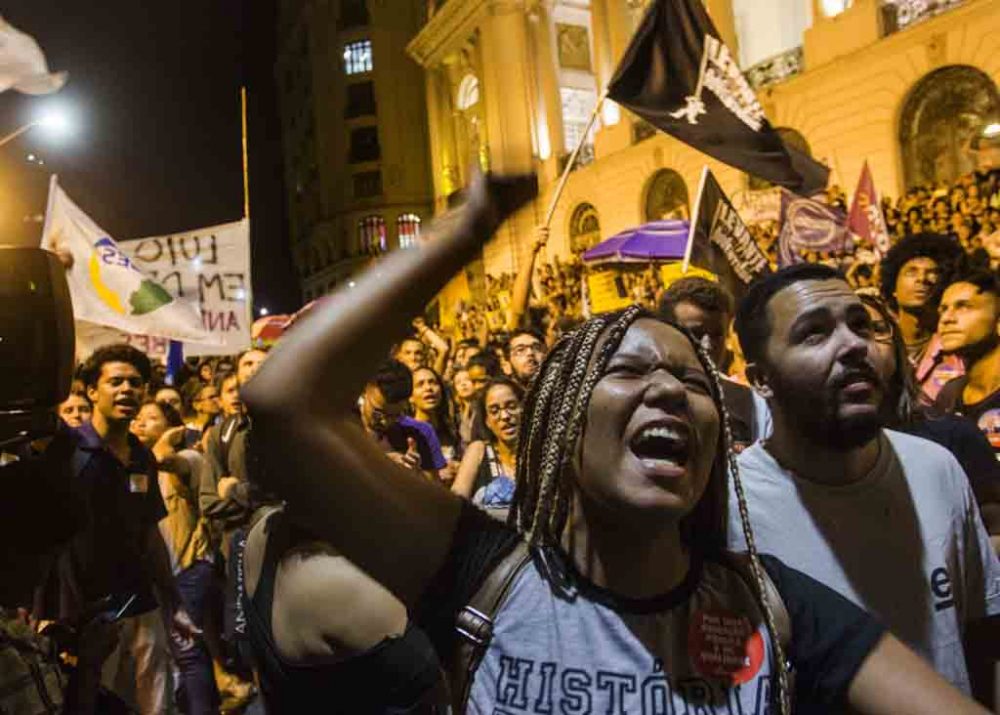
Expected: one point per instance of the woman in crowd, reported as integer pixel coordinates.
(958, 435)
(75, 409)
(160, 428)
(465, 406)
(489, 465)
(629, 604)
(206, 409)
(430, 404)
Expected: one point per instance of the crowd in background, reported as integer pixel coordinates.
(448, 404)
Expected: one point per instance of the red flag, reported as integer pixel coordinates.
(865, 219)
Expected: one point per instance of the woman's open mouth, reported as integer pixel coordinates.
(663, 445)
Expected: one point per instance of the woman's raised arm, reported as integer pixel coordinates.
(314, 453)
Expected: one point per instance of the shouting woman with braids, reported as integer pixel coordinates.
(610, 591)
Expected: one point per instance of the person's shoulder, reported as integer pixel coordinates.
(950, 394)
(417, 427)
(755, 459)
(920, 453)
(928, 465)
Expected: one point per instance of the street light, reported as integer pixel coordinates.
(55, 120)
(263, 311)
(991, 130)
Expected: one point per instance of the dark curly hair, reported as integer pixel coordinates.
(943, 250)
(90, 371)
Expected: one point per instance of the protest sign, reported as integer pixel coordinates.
(810, 227)
(211, 267)
(720, 242)
(107, 287)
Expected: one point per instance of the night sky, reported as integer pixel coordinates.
(154, 89)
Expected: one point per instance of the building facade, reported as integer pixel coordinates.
(354, 134)
(907, 85)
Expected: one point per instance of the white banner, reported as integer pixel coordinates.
(211, 268)
(106, 287)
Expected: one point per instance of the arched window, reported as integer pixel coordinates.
(584, 228)
(666, 196)
(408, 230)
(468, 92)
(792, 138)
(941, 124)
(371, 234)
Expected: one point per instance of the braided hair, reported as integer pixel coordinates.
(553, 417)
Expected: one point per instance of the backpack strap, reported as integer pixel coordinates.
(227, 433)
(474, 623)
(740, 562)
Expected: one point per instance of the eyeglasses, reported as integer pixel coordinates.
(882, 331)
(511, 408)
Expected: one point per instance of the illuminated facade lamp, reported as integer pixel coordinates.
(611, 113)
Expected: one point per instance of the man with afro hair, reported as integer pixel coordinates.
(914, 274)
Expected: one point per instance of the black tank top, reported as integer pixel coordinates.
(398, 676)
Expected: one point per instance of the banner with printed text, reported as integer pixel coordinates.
(108, 289)
(210, 267)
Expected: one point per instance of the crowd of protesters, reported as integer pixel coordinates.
(862, 413)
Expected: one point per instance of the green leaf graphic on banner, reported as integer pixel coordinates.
(148, 298)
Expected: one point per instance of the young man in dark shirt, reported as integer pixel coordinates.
(706, 309)
(970, 327)
(119, 552)
(407, 441)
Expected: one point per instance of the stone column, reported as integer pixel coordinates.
(549, 99)
(442, 135)
(506, 87)
(603, 54)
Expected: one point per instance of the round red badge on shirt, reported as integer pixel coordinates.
(725, 646)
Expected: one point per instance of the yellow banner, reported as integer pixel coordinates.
(607, 292)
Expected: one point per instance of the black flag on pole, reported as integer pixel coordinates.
(720, 242)
(679, 76)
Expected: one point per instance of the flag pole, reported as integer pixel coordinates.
(694, 222)
(572, 159)
(53, 182)
(246, 166)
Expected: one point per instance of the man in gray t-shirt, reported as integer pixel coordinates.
(904, 541)
(885, 519)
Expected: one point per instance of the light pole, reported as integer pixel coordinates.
(55, 120)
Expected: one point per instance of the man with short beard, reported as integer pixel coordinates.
(886, 519)
(525, 351)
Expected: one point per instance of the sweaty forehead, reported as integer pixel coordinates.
(791, 301)
(653, 340)
(119, 369)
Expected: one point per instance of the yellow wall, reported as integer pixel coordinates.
(846, 103)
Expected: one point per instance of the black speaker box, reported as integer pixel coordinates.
(36, 332)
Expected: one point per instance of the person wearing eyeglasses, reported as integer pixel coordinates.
(524, 351)
(488, 468)
(384, 405)
(206, 408)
